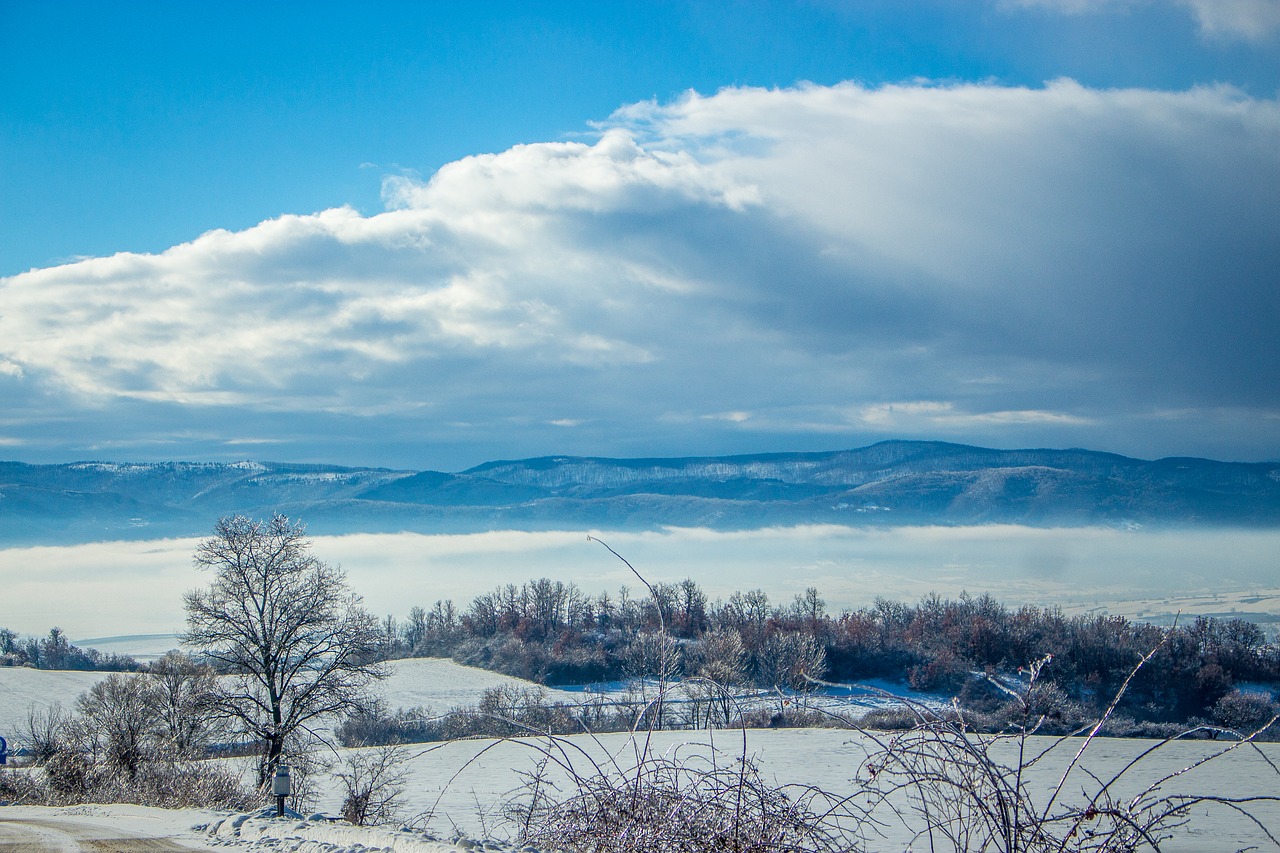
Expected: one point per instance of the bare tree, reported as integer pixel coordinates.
(185, 695)
(285, 628)
(119, 722)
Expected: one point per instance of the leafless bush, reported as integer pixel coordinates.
(375, 725)
(46, 732)
(662, 803)
(18, 788)
(1238, 710)
(171, 785)
(373, 781)
(958, 789)
(69, 775)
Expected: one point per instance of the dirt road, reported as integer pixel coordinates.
(54, 836)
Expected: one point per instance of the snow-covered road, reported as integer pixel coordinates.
(138, 829)
(30, 830)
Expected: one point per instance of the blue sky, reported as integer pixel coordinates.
(416, 235)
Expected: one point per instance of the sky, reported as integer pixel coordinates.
(424, 235)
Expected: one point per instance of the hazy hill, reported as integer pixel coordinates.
(895, 482)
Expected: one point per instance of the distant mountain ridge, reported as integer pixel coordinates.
(893, 482)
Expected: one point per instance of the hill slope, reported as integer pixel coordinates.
(895, 482)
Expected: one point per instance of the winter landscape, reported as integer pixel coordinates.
(776, 426)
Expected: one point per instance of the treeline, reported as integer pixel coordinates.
(54, 651)
(551, 632)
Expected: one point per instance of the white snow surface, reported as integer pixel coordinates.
(185, 826)
(456, 792)
(23, 688)
(260, 831)
(439, 684)
(436, 684)
(464, 785)
(264, 831)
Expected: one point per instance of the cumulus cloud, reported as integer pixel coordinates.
(752, 260)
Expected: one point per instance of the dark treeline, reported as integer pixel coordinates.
(553, 633)
(55, 652)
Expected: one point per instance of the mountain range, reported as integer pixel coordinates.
(890, 483)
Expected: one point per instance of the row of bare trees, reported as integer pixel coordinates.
(55, 651)
(552, 632)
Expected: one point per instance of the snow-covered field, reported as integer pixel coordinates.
(433, 683)
(439, 684)
(22, 688)
(463, 786)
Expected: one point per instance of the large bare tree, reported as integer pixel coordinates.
(289, 634)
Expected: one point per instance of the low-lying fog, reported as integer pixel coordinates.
(115, 588)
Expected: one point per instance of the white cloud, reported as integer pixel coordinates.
(932, 415)
(1244, 19)
(1249, 19)
(1024, 258)
(732, 417)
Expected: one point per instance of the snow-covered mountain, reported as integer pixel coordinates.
(895, 482)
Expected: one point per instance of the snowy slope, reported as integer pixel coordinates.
(437, 684)
(22, 688)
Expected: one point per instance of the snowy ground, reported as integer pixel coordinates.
(135, 829)
(434, 683)
(22, 688)
(439, 684)
(463, 786)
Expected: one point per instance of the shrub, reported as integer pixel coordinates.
(19, 788)
(1244, 712)
(664, 804)
(69, 775)
(958, 788)
(374, 725)
(373, 781)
